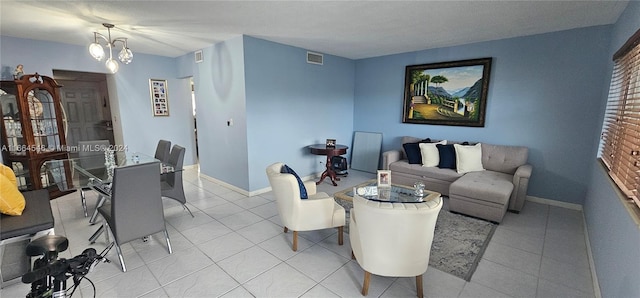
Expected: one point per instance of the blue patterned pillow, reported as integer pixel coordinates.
(303, 190)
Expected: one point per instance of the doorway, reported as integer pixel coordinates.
(85, 99)
(195, 122)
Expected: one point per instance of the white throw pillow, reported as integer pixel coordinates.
(430, 155)
(468, 158)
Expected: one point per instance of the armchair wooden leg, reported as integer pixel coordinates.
(340, 235)
(286, 230)
(419, 286)
(353, 257)
(295, 240)
(365, 284)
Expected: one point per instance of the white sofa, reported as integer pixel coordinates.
(484, 194)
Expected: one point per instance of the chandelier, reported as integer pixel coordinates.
(97, 52)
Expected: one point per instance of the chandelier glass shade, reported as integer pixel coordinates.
(95, 49)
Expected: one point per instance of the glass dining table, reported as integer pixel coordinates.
(95, 173)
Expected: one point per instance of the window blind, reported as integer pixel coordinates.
(620, 143)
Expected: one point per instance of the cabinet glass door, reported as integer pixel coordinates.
(43, 119)
(11, 122)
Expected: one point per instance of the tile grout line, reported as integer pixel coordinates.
(544, 240)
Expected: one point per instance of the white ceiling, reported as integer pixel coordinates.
(351, 29)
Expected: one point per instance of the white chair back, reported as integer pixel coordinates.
(393, 239)
(287, 192)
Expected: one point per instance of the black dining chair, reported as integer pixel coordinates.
(135, 210)
(172, 186)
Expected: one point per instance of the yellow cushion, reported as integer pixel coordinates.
(8, 172)
(11, 200)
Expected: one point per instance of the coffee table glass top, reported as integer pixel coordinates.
(394, 194)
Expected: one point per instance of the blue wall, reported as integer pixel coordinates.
(544, 93)
(278, 104)
(131, 98)
(220, 96)
(613, 235)
(292, 104)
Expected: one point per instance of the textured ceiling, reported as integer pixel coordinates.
(351, 29)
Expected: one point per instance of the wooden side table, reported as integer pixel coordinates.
(321, 149)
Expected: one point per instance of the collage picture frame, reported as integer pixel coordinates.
(159, 97)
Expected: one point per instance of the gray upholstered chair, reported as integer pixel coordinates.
(135, 210)
(172, 186)
(91, 159)
(162, 151)
(393, 239)
(319, 211)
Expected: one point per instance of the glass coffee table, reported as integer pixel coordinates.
(394, 194)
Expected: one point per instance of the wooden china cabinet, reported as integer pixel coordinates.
(33, 132)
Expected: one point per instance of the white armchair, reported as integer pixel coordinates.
(319, 211)
(393, 239)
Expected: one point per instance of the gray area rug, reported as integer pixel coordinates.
(458, 242)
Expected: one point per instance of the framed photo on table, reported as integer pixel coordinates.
(384, 178)
(331, 143)
(159, 97)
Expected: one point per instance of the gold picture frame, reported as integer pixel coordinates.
(447, 93)
(159, 97)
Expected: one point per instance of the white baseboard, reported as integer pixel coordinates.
(268, 188)
(592, 263)
(571, 206)
(227, 185)
(249, 193)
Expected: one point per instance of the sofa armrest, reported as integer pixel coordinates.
(520, 185)
(390, 156)
(523, 171)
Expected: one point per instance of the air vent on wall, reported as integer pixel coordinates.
(314, 58)
(198, 56)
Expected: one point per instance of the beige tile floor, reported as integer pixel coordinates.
(234, 247)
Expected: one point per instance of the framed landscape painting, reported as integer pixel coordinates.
(447, 93)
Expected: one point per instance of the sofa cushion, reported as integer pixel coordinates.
(37, 216)
(303, 189)
(505, 159)
(487, 186)
(426, 172)
(430, 155)
(468, 158)
(410, 140)
(447, 156)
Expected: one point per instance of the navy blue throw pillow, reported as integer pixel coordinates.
(412, 151)
(447, 156)
(303, 190)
